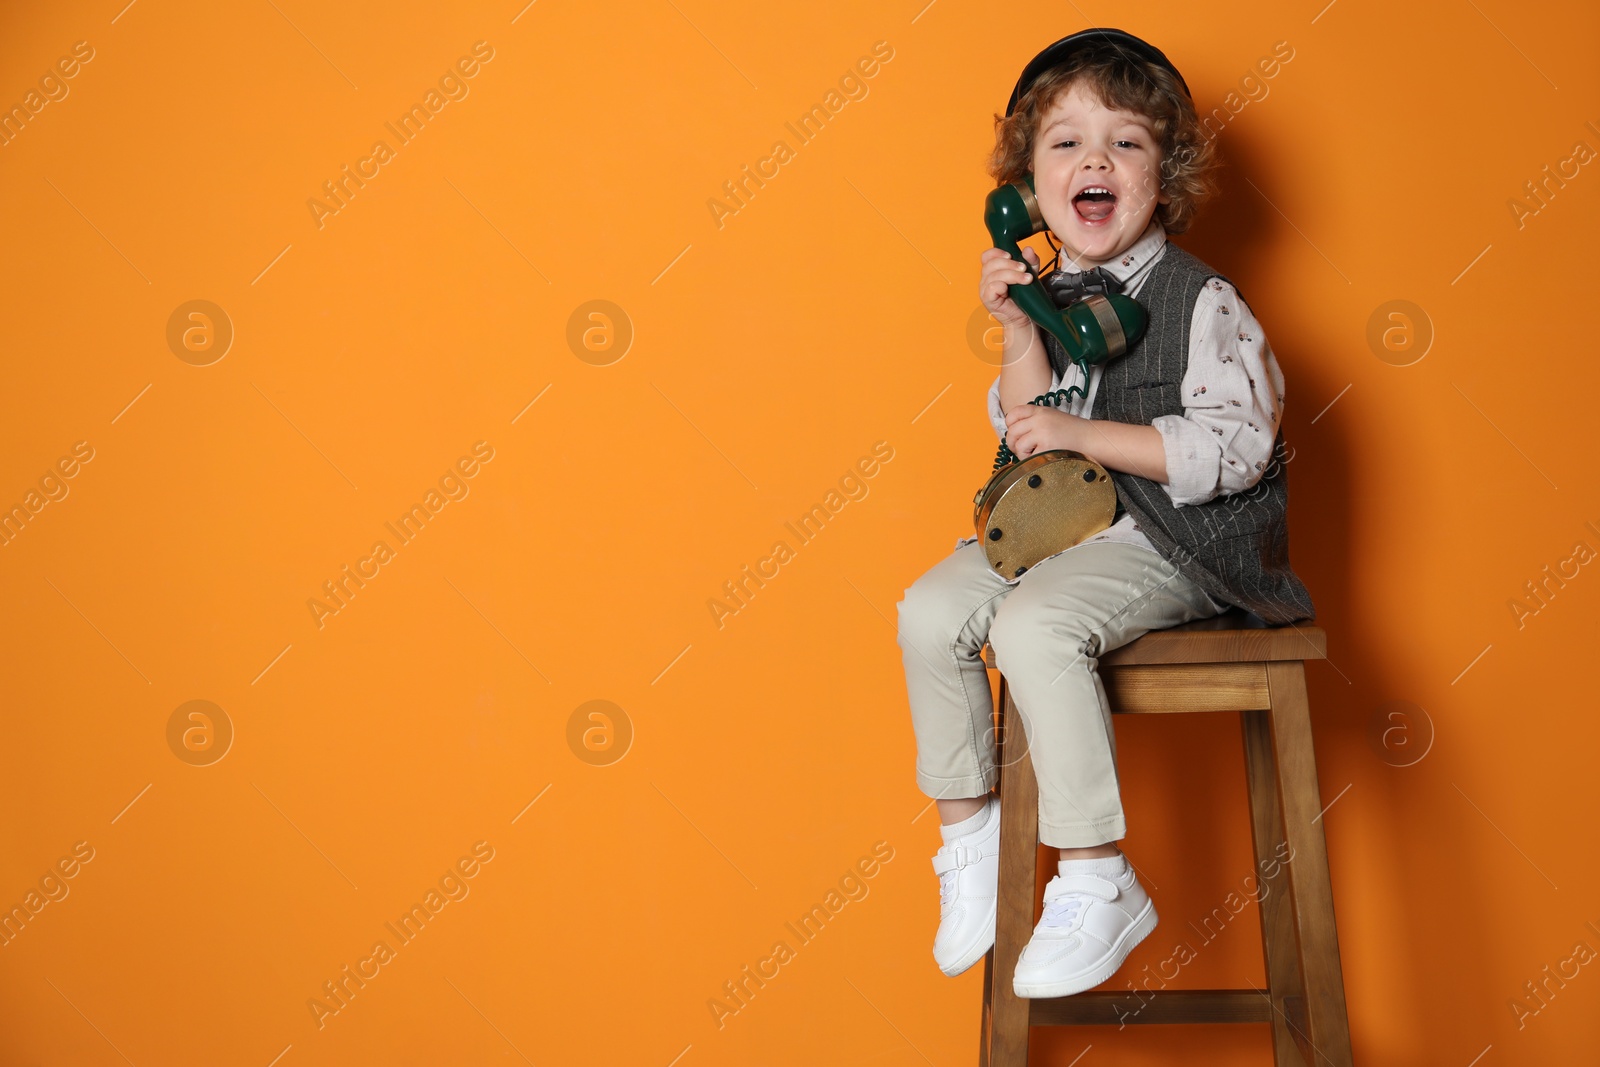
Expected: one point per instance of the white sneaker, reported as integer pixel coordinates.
(1090, 924)
(969, 880)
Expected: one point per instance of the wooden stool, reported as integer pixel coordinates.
(1231, 662)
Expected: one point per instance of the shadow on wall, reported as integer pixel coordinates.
(1242, 234)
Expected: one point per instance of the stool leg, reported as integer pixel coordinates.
(1308, 870)
(1279, 942)
(1006, 1014)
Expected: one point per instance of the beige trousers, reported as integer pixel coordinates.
(1047, 630)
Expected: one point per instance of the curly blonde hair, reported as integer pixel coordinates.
(1121, 82)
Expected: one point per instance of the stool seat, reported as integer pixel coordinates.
(1234, 661)
(1235, 636)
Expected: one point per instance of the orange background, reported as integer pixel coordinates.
(771, 753)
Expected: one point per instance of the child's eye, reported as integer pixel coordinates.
(1070, 144)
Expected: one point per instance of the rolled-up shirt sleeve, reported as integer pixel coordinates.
(1232, 400)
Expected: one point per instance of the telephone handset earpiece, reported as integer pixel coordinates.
(1091, 330)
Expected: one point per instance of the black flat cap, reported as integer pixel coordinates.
(1063, 49)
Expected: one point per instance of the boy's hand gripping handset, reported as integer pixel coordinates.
(1053, 499)
(1092, 330)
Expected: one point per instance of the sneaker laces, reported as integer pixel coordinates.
(1064, 912)
(947, 889)
(1068, 898)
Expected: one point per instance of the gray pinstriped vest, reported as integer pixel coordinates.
(1235, 547)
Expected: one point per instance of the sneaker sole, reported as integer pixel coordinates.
(979, 950)
(1066, 987)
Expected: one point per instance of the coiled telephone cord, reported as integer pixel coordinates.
(1005, 457)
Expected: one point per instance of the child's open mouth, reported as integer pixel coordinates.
(1095, 203)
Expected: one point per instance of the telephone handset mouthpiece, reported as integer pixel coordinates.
(1091, 330)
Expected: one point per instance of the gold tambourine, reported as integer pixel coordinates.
(1048, 502)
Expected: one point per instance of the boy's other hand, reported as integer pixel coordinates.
(1000, 271)
(1034, 428)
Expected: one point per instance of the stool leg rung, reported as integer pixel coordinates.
(1152, 1007)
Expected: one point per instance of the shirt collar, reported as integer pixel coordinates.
(1135, 261)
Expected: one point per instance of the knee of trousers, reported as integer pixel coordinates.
(1027, 634)
(926, 622)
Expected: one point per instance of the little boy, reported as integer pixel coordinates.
(1186, 423)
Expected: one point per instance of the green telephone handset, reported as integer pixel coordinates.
(1092, 330)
